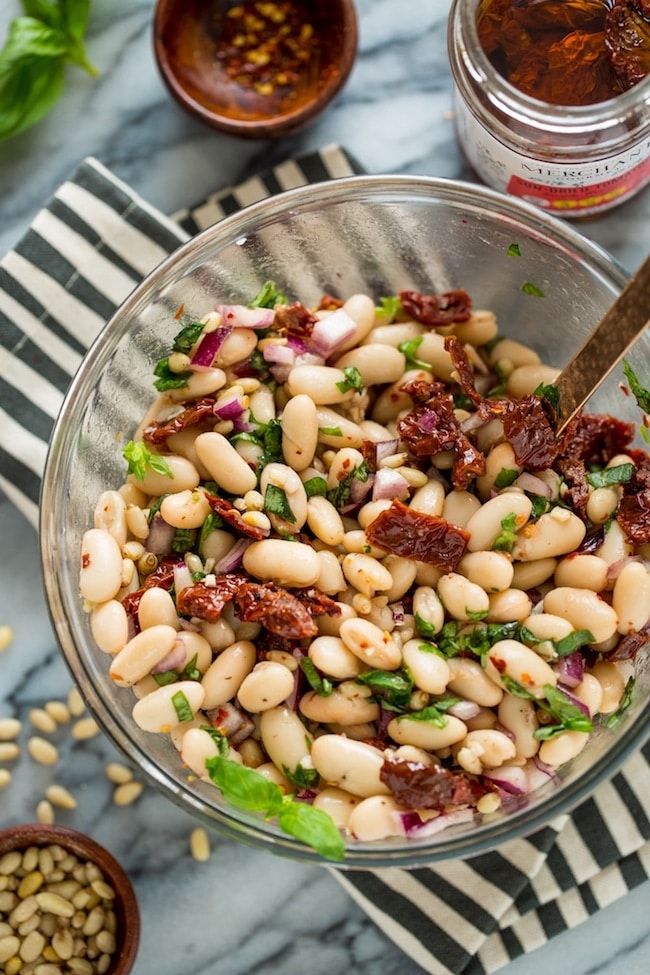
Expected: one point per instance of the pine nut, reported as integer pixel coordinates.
(8, 751)
(6, 637)
(42, 750)
(84, 728)
(58, 795)
(127, 793)
(117, 773)
(9, 728)
(200, 845)
(42, 720)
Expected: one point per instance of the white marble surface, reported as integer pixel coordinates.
(243, 911)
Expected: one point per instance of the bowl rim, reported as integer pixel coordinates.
(262, 126)
(188, 255)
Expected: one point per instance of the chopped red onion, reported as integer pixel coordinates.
(174, 660)
(533, 485)
(279, 352)
(231, 409)
(208, 348)
(240, 316)
(512, 779)
(389, 484)
(331, 332)
(539, 773)
(570, 669)
(233, 559)
(161, 536)
(420, 828)
(465, 710)
(384, 449)
(297, 345)
(574, 700)
(182, 576)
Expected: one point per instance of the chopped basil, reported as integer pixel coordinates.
(505, 477)
(609, 476)
(218, 737)
(514, 250)
(353, 380)
(505, 541)
(182, 707)
(183, 540)
(423, 627)
(640, 393)
(268, 297)
(457, 638)
(573, 642)
(548, 392)
(302, 778)
(340, 495)
(276, 503)
(389, 307)
(394, 688)
(529, 288)
(168, 379)
(626, 700)
(540, 504)
(316, 486)
(409, 350)
(321, 685)
(211, 523)
(246, 788)
(434, 714)
(476, 616)
(268, 436)
(331, 431)
(567, 715)
(187, 337)
(139, 458)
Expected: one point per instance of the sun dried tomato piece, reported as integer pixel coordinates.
(436, 311)
(570, 14)
(329, 303)
(157, 432)
(162, 577)
(276, 609)
(295, 319)
(630, 644)
(574, 473)
(432, 427)
(627, 38)
(233, 518)
(419, 536)
(595, 438)
(529, 433)
(419, 786)
(317, 602)
(422, 390)
(463, 368)
(208, 602)
(633, 515)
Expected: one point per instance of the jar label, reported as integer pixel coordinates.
(567, 189)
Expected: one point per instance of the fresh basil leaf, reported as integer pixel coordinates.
(313, 827)
(277, 503)
(187, 337)
(47, 11)
(548, 392)
(244, 787)
(139, 458)
(302, 778)
(626, 699)
(183, 540)
(568, 716)
(321, 685)
(505, 541)
(28, 90)
(268, 297)
(514, 250)
(409, 350)
(432, 714)
(610, 476)
(572, 642)
(182, 707)
(316, 486)
(331, 431)
(75, 15)
(29, 38)
(389, 307)
(394, 687)
(166, 677)
(168, 379)
(340, 495)
(353, 380)
(529, 288)
(640, 393)
(505, 477)
(423, 627)
(220, 740)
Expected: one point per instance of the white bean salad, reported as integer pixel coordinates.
(354, 573)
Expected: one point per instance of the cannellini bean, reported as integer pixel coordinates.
(508, 605)
(320, 383)
(590, 692)
(366, 574)
(518, 715)
(430, 498)
(368, 512)
(184, 443)
(546, 626)
(143, 651)
(110, 514)
(285, 738)
(392, 401)
(226, 466)
(197, 650)
(584, 609)
(267, 686)
(330, 580)
(185, 509)
(299, 432)
(377, 364)
(287, 563)
(459, 507)
(109, 625)
(601, 504)
(394, 334)
(468, 680)
(515, 660)
(337, 803)
(612, 684)
(237, 346)
(348, 704)
(432, 350)
(330, 655)
(515, 352)
(631, 597)
(337, 431)
(376, 818)
(157, 712)
(157, 606)
(403, 572)
(370, 644)
(492, 571)
(430, 670)
(343, 463)
(462, 599)
(216, 544)
(480, 328)
(562, 748)
(500, 458)
(525, 379)
(485, 748)
(283, 477)
(581, 571)
(351, 765)
(428, 608)
(530, 575)
(183, 476)
(219, 634)
(485, 525)
(331, 625)
(554, 533)
(224, 676)
(406, 730)
(324, 520)
(197, 746)
(100, 575)
(200, 384)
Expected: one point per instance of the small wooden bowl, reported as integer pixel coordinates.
(211, 57)
(125, 904)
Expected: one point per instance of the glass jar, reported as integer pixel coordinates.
(570, 160)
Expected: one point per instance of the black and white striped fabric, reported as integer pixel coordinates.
(85, 251)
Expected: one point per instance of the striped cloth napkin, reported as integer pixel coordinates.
(85, 251)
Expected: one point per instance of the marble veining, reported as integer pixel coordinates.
(243, 911)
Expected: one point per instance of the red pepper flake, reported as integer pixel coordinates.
(419, 536)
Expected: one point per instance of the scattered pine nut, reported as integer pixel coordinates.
(127, 793)
(42, 720)
(200, 844)
(59, 796)
(42, 750)
(488, 803)
(5, 777)
(8, 750)
(117, 773)
(9, 728)
(59, 711)
(76, 704)
(6, 637)
(85, 728)
(45, 812)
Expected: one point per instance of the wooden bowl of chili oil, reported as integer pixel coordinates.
(255, 69)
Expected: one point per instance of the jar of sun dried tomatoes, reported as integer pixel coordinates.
(570, 159)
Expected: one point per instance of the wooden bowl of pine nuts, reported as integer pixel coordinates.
(66, 904)
(255, 70)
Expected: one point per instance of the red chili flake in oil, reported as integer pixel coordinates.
(266, 46)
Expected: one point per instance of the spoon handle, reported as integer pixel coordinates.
(605, 347)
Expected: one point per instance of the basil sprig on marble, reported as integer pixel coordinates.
(36, 51)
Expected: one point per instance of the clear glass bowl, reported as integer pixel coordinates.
(377, 234)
